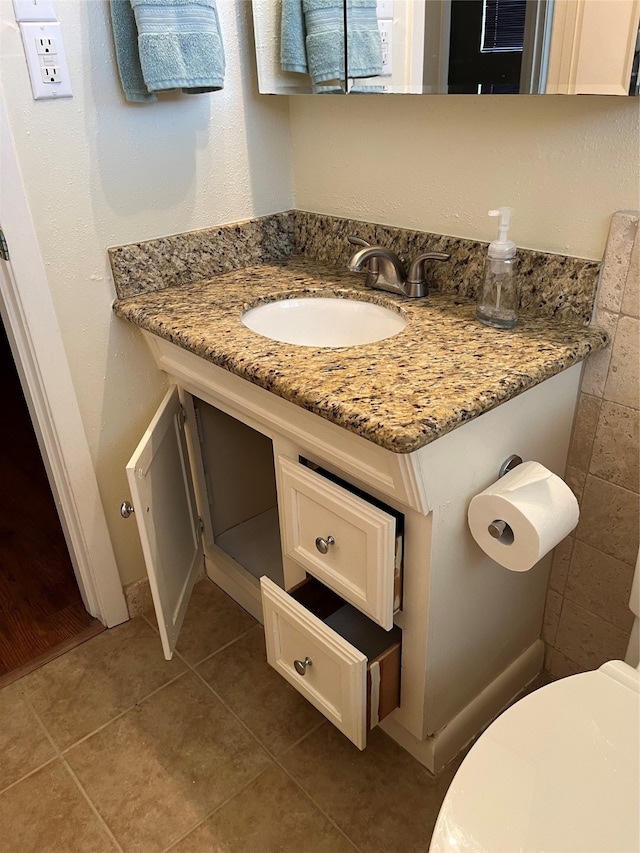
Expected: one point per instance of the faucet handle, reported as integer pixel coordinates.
(415, 276)
(357, 241)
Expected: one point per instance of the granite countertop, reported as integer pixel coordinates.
(401, 393)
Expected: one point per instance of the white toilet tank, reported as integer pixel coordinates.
(633, 649)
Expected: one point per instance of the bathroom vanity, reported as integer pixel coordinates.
(327, 490)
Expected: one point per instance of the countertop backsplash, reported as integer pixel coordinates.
(550, 285)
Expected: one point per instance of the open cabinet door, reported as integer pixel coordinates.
(165, 509)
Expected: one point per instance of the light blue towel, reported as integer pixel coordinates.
(312, 39)
(125, 36)
(167, 44)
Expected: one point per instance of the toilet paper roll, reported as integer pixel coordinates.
(522, 516)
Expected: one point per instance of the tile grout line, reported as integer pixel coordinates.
(76, 781)
(318, 806)
(27, 775)
(217, 808)
(120, 714)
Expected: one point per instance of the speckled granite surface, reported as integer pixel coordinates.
(443, 369)
(181, 259)
(550, 285)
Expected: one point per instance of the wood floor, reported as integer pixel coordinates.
(41, 611)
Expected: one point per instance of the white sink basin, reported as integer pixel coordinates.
(317, 321)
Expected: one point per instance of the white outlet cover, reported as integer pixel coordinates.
(34, 10)
(31, 34)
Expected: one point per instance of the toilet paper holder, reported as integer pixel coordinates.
(509, 464)
(500, 529)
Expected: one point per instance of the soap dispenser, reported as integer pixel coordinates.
(498, 298)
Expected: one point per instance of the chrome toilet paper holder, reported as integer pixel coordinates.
(509, 464)
(500, 529)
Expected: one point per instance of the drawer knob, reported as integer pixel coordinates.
(323, 544)
(301, 665)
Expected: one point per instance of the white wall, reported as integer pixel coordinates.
(440, 163)
(100, 172)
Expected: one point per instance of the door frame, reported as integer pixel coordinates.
(34, 335)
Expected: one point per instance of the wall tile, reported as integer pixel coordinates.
(560, 564)
(560, 666)
(576, 479)
(584, 430)
(601, 584)
(596, 367)
(587, 639)
(551, 616)
(631, 298)
(616, 456)
(592, 570)
(620, 241)
(609, 519)
(623, 379)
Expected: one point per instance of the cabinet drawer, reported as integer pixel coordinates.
(339, 538)
(339, 660)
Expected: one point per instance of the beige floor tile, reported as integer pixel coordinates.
(46, 813)
(160, 768)
(382, 798)
(88, 686)
(23, 744)
(213, 620)
(272, 814)
(276, 713)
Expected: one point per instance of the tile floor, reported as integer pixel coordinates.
(112, 748)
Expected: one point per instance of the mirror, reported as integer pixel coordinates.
(569, 47)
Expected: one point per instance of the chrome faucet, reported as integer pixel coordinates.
(386, 271)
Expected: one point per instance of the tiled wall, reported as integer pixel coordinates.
(587, 618)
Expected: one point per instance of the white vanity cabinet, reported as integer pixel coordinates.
(376, 601)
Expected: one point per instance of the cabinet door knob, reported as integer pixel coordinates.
(301, 665)
(126, 509)
(323, 544)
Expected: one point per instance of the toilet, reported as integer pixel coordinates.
(557, 771)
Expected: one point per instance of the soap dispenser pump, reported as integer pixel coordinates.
(498, 299)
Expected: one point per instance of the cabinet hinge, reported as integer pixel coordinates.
(183, 415)
(201, 524)
(4, 249)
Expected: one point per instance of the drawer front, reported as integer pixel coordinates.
(336, 680)
(339, 538)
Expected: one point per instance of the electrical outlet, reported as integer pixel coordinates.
(46, 60)
(45, 46)
(51, 74)
(386, 32)
(34, 10)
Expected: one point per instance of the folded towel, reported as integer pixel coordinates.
(312, 39)
(125, 35)
(180, 45)
(166, 44)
